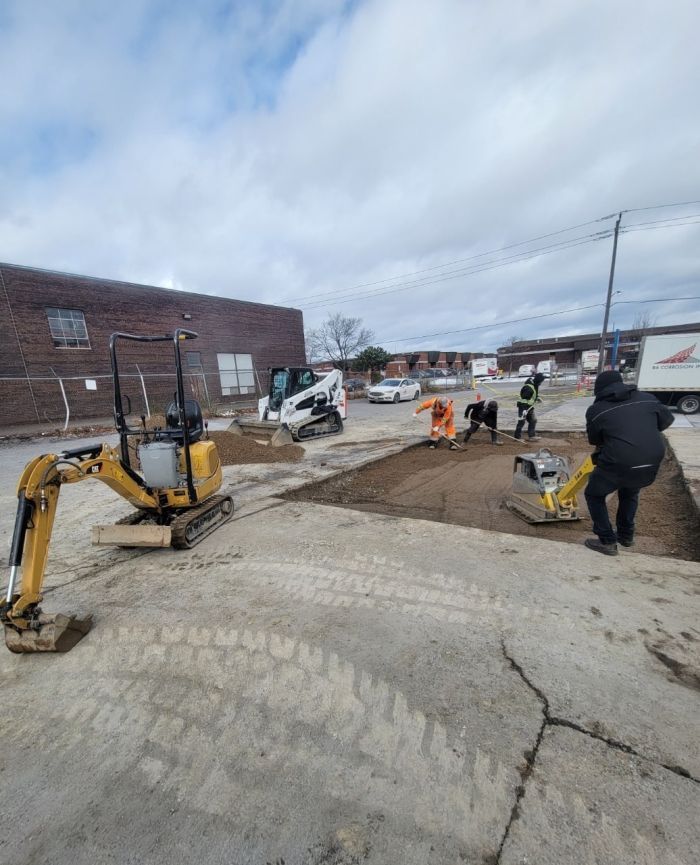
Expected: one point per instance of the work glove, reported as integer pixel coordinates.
(415, 414)
(436, 429)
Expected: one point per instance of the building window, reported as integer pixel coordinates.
(194, 359)
(236, 374)
(67, 328)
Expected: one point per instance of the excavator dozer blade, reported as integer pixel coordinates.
(56, 633)
(281, 437)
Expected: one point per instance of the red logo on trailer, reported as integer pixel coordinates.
(684, 356)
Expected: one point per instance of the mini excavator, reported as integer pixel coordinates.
(300, 405)
(173, 493)
(544, 489)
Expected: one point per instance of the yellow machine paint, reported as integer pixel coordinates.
(173, 495)
(544, 489)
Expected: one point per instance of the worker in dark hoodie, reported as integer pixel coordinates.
(624, 424)
(486, 413)
(529, 395)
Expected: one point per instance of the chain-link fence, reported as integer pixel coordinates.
(60, 398)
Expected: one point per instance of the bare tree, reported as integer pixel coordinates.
(510, 342)
(643, 321)
(338, 339)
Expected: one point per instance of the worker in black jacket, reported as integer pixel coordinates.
(486, 413)
(529, 395)
(624, 424)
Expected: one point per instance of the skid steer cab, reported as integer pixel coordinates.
(172, 489)
(301, 404)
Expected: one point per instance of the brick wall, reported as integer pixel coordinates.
(273, 335)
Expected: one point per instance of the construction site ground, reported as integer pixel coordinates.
(324, 685)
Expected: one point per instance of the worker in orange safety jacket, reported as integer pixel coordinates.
(442, 420)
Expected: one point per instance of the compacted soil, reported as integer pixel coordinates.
(468, 488)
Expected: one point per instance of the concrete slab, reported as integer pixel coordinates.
(316, 685)
(586, 803)
(685, 443)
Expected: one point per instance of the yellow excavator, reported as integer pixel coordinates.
(544, 489)
(173, 493)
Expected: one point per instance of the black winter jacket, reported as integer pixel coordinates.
(625, 424)
(480, 414)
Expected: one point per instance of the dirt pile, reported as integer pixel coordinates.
(468, 488)
(236, 450)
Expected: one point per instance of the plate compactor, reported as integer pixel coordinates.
(544, 489)
(173, 493)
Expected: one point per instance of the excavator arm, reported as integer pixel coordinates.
(26, 627)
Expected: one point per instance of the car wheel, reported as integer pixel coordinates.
(416, 393)
(688, 404)
(397, 397)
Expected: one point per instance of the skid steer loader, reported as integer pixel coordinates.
(544, 489)
(299, 406)
(173, 493)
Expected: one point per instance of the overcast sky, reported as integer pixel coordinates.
(318, 152)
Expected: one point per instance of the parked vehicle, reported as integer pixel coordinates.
(589, 360)
(669, 367)
(526, 370)
(483, 367)
(355, 384)
(545, 367)
(394, 390)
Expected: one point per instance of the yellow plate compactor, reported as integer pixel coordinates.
(544, 489)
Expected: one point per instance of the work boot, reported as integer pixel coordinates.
(626, 542)
(497, 442)
(534, 438)
(454, 446)
(600, 547)
(432, 446)
(467, 436)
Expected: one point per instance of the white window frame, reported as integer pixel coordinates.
(65, 325)
(236, 373)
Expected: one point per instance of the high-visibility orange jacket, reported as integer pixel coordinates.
(443, 419)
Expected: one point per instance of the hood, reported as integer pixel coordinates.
(617, 391)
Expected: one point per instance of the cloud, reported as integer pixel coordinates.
(275, 151)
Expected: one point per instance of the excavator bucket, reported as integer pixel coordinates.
(281, 437)
(56, 633)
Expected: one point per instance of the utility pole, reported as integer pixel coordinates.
(601, 355)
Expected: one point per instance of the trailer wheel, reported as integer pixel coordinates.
(689, 403)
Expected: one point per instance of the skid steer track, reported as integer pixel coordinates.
(192, 526)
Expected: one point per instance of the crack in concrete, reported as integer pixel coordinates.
(549, 720)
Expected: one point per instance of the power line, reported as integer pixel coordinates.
(485, 266)
(656, 227)
(402, 276)
(660, 206)
(533, 317)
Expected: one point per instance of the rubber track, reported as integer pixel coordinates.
(297, 429)
(181, 522)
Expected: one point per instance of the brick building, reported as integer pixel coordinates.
(408, 362)
(566, 350)
(54, 345)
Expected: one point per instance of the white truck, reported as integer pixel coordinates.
(526, 370)
(589, 360)
(484, 367)
(669, 367)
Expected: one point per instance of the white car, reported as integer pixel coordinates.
(394, 390)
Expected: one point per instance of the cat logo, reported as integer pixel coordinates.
(95, 469)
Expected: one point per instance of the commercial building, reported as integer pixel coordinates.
(54, 345)
(567, 350)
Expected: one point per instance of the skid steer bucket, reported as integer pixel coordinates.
(55, 633)
(281, 437)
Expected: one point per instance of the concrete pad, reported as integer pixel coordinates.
(587, 803)
(322, 686)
